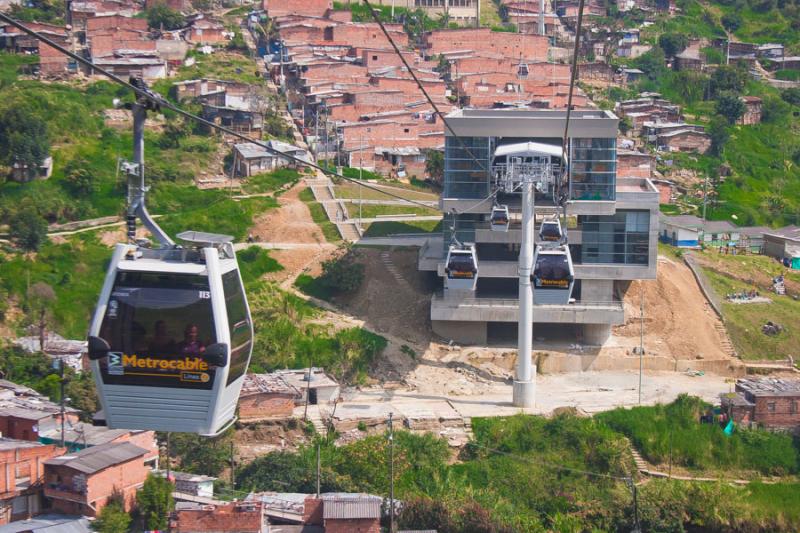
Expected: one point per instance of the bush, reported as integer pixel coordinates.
(732, 21)
(160, 16)
(27, 229)
(112, 519)
(23, 138)
(155, 502)
(673, 43)
(343, 274)
(792, 96)
(730, 106)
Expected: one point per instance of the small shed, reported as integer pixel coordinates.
(267, 396)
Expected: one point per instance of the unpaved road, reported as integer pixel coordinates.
(292, 223)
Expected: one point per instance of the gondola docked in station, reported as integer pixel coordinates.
(550, 230)
(553, 276)
(171, 337)
(461, 267)
(499, 219)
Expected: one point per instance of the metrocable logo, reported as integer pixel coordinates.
(187, 363)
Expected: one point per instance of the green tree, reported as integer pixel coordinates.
(718, 131)
(27, 229)
(791, 96)
(728, 78)
(23, 138)
(730, 106)
(732, 21)
(39, 300)
(155, 502)
(343, 274)
(673, 43)
(201, 455)
(79, 180)
(434, 165)
(160, 16)
(652, 63)
(112, 519)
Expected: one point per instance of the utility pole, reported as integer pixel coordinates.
(524, 394)
(169, 451)
(541, 18)
(705, 202)
(233, 467)
(318, 469)
(63, 399)
(391, 474)
(360, 176)
(641, 338)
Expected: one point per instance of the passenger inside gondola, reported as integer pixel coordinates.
(191, 344)
(162, 342)
(462, 266)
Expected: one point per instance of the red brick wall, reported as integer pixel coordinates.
(782, 416)
(312, 511)
(28, 462)
(366, 35)
(353, 526)
(124, 478)
(265, 405)
(224, 518)
(340, 15)
(483, 40)
(276, 8)
(115, 22)
(18, 428)
(302, 34)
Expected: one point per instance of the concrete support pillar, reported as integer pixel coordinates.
(596, 334)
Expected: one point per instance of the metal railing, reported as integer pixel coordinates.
(509, 176)
(478, 301)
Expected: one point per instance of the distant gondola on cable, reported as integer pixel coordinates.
(499, 220)
(553, 276)
(171, 336)
(461, 267)
(550, 230)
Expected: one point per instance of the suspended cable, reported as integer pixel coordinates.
(573, 76)
(169, 105)
(377, 19)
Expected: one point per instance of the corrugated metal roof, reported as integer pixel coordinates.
(49, 524)
(347, 507)
(97, 458)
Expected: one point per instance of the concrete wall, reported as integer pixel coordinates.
(461, 332)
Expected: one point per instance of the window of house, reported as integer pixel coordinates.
(771, 407)
(405, 130)
(795, 407)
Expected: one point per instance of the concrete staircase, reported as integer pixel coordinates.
(315, 416)
(725, 341)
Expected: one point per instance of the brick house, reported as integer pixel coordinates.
(685, 140)
(204, 31)
(333, 512)
(768, 402)
(21, 475)
(752, 110)
(266, 396)
(83, 482)
(26, 417)
(313, 8)
(235, 517)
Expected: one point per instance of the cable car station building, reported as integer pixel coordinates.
(611, 226)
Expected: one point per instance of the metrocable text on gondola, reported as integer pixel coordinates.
(187, 363)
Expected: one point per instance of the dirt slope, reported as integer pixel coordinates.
(676, 313)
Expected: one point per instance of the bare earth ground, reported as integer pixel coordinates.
(292, 223)
(678, 321)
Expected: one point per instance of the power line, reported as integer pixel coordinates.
(165, 103)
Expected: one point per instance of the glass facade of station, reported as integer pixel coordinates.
(593, 169)
(467, 167)
(622, 238)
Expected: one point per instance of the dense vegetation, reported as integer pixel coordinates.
(528, 473)
(671, 434)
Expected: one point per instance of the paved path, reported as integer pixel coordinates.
(322, 188)
(399, 218)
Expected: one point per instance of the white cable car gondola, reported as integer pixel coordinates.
(553, 276)
(499, 220)
(171, 336)
(550, 230)
(461, 268)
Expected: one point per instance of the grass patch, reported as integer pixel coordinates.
(373, 210)
(382, 229)
(75, 270)
(224, 216)
(319, 216)
(744, 321)
(270, 182)
(351, 191)
(670, 209)
(312, 286)
(673, 430)
(789, 75)
(254, 262)
(284, 338)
